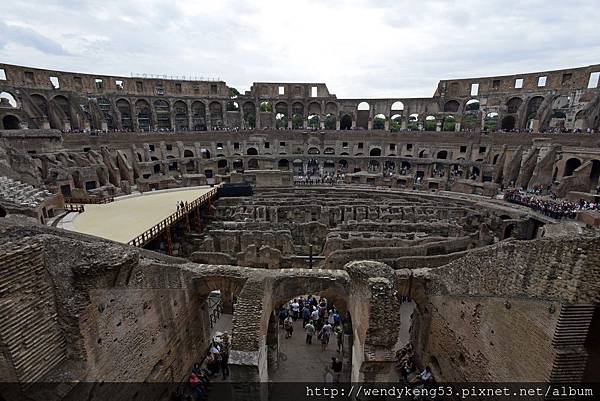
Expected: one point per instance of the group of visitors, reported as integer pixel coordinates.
(406, 363)
(319, 316)
(315, 179)
(554, 208)
(181, 205)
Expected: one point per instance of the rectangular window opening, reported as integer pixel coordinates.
(55, 82)
(360, 145)
(313, 91)
(392, 146)
(566, 77)
(139, 86)
(474, 89)
(2, 75)
(482, 149)
(119, 84)
(99, 83)
(542, 81)
(463, 149)
(219, 145)
(267, 145)
(344, 144)
(496, 83)
(151, 147)
(236, 145)
(282, 90)
(178, 87)
(213, 89)
(169, 147)
(78, 82)
(281, 143)
(593, 82)
(409, 146)
(518, 83)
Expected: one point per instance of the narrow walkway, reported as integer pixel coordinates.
(301, 362)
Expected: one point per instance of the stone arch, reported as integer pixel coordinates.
(163, 114)
(283, 164)
(216, 114)
(252, 164)
(362, 115)
(314, 108)
(442, 154)
(430, 123)
(124, 109)
(181, 116)
(232, 106)
(513, 104)
(8, 100)
(451, 106)
(449, 123)
(508, 123)
(41, 103)
(144, 116)
(252, 151)
(533, 106)
(314, 121)
(397, 106)
(10, 122)
(379, 122)
(313, 151)
(331, 108)
(375, 152)
(249, 110)
(266, 107)
(330, 121)
(472, 105)
(64, 107)
(571, 165)
(329, 151)
(346, 122)
(297, 115)
(188, 153)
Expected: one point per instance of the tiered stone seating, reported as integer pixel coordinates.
(21, 194)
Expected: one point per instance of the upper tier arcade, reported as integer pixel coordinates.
(36, 98)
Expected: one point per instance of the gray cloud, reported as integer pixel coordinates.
(358, 47)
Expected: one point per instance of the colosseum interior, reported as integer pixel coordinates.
(141, 216)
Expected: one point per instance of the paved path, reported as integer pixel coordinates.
(301, 362)
(126, 218)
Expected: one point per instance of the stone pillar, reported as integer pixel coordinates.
(438, 126)
(386, 124)
(337, 124)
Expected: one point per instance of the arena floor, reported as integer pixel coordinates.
(128, 217)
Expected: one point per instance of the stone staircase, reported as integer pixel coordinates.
(29, 328)
(569, 342)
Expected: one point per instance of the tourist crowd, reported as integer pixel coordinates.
(554, 208)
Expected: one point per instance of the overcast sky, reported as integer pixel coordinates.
(387, 48)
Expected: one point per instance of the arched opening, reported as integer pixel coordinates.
(430, 123)
(188, 153)
(222, 164)
(513, 105)
(343, 165)
(389, 167)
(508, 231)
(163, 114)
(283, 164)
(451, 106)
(595, 173)
(249, 110)
(422, 154)
(397, 106)
(216, 115)
(491, 121)
(10, 122)
(571, 165)
(362, 115)
(330, 121)
(472, 105)
(313, 151)
(318, 309)
(42, 105)
(328, 166)
(266, 107)
(470, 121)
(124, 109)
(181, 116)
(314, 121)
(449, 123)
(396, 123)
(375, 152)
(281, 115)
(346, 122)
(156, 169)
(252, 164)
(143, 115)
(252, 152)
(508, 123)
(495, 160)
(475, 172)
(64, 108)
(7, 100)
(442, 154)
(413, 121)
(106, 109)
(232, 106)
(533, 105)
(238, 165)
(298, 166)
(205, 153)
(329, 151)
(374, 166)
(379, 122)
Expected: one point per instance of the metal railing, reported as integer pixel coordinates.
(154, 231)
(215, 309)
(90, 201)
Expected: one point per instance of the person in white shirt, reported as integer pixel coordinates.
(295, 309)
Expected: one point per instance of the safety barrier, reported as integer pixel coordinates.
(90, 201)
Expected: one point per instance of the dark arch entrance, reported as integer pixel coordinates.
(346, 122)
(2, 212)
(10, 122)
(571, 165)
(508, 123)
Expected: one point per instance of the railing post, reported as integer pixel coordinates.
(169, 241)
